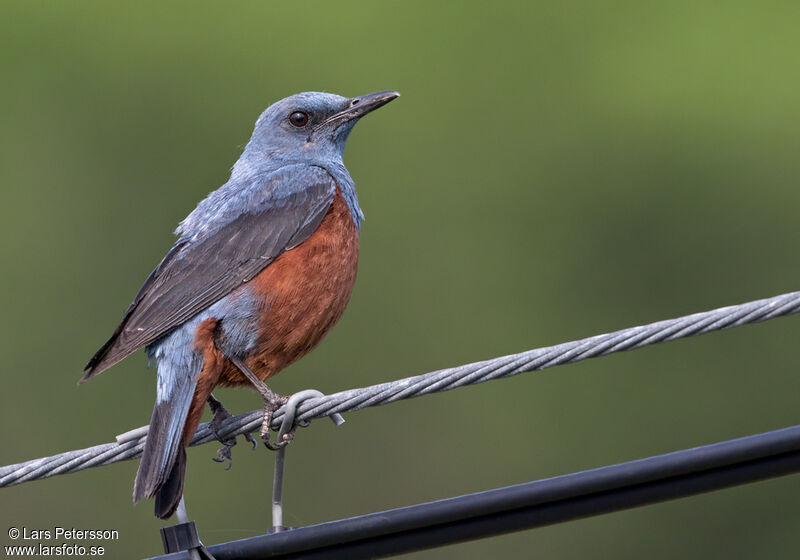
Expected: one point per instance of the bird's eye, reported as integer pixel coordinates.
(298, 118)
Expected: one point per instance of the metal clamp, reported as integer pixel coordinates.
(288, 422)
(183, 536)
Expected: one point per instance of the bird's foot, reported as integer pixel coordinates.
(217, 420)
(272, 402)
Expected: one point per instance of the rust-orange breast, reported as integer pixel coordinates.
(302, 294)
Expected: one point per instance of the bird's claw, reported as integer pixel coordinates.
(220, 416)
(224, 454)
(283, 442)
(273, 402)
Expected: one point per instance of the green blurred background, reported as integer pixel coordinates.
(553, 170)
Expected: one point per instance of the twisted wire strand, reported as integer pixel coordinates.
(130, 445)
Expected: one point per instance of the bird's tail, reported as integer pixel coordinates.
(163, 464)
(186, 376)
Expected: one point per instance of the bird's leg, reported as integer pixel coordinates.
(220, 415)
(272, 402)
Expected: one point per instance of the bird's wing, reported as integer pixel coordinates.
(196, 274)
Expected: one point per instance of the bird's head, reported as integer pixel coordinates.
(311, 125)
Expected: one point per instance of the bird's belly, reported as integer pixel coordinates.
(301, 295)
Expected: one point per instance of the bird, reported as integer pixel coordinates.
(259, 272)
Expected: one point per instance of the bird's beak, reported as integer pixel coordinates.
(356, 108)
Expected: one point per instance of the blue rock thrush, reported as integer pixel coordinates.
(261, 270)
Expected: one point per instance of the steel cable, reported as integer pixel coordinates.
(130, 445)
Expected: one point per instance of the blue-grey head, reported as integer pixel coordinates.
(311, 126)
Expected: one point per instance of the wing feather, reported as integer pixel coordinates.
(196, 274)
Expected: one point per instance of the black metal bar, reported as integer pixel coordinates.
(532, 504)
